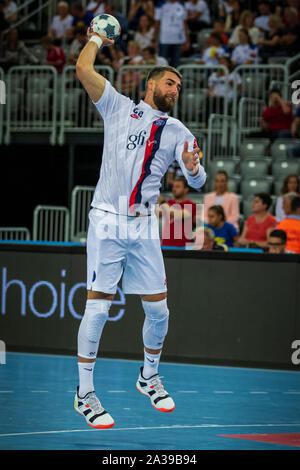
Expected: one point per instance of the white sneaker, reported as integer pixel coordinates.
(154, 389)
(90, 407)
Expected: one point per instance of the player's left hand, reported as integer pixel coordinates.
(190, 159)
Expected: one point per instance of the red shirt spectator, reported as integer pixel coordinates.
(279, 115)
(177, 231)
(55, 54)
(179, 215)
(258, 231)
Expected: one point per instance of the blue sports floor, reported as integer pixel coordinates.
(37, 392)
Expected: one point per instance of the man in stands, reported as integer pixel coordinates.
(277, 242)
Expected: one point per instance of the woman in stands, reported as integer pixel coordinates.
(290, 184)
(269, 44)
(145, 32)
(259, 225)
(246, 22)
(245, 52)
(222, 196)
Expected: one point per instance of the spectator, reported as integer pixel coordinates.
(80, 16)
(211, 54)
(15, 51)
(151, 58)
(97, 8)
(205, 240)
(131, 81)
(137, 9)
(245, 52)
(9, 9)
(262, 21)
(198, 16)
(258, 225)
(291, 226)
(247, 23)
(221, 196)
(79, 41)
(55, 54)
(226, 7)
(217, 81)
(61, 23)
(277, 118)
(295, 127)
(269, 44)
(109, 9)
(277, 242)
(179, 215)
(290, 39)
(145, 32)
(225, 233)
(171, 31)
(291, 184)
(219, 28)
(232, 18)
(3, 23)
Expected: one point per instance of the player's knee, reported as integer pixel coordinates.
(95, 317)
(156, 323)
(92, 294)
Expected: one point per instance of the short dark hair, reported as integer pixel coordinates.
(295, 203)
(279, 234)
(218, 209)
(158, 72)
(80, 30)
(182, 178)
(222, 172)
(149, 49)
(266, 199)
(274, 90)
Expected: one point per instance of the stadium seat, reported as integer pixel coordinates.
(278, 185)
(282, 168)
(227, 164)
(252, 186)
(247, 207)
(202, 36)
(254, 148)
(251, 168)
(39, 82)
(280, 146)
(233, 184)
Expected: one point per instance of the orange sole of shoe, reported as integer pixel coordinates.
(158, 409)
(100, 426)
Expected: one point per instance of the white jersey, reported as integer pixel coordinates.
(140, 143)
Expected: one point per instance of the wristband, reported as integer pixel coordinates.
(97, 40)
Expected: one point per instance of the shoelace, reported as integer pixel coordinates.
(158, 386)
(94, 403)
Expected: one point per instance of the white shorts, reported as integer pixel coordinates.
(122, 245)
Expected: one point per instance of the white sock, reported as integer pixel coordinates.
(151, 363)
(86, 374)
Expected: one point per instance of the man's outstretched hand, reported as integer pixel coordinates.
(190, 159)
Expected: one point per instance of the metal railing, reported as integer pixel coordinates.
(256, 80)
(80, 206)
(51, 223)
(290, 65)
(222, 137)
(131, 81)
(14, 233)
(36, 14)
(249, 117)
(32, 100)
(195, 105)
(77, 112)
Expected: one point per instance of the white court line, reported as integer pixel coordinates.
(257, 393)
(187, 391)
(116, 391)
(6, 391)
(175, 426)
(222, 391)
(39, 391)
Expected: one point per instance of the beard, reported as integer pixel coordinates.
(163, 103)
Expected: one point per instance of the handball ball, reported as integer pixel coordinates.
(106, 25)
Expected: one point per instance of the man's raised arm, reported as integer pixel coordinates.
(92, 81)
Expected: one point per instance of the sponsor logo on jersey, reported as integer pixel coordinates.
(160, 122)
(137, 114)
(134, 140)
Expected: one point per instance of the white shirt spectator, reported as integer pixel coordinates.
(227, 8)
(92, 5)
(242, 54)
(144, 40)
(279, 212)
(60, 26)
(9, 10)
(219, 84)
(201, 5)
(212, 54)
(262, 22)
(171, 17)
